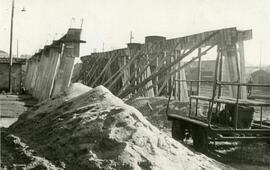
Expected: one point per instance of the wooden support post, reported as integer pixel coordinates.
(57, 55)
(243, 78)
(178, 52)
(168, 66)
(231, 69)
(220, 73)
(176, 92)
(199, 71)
(120, 71)
(111, 59)
(156, 65)
(118, 74)
(92, 74)
(166, 78)
(183, 85)
(149, 92)
(140, 73)
(71, 51)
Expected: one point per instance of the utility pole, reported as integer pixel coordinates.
(10, 49)
(17, 48)
(130, 37)
(81, 23)
(260, 55)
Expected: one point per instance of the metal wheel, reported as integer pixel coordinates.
(178, 130)
(200, 139)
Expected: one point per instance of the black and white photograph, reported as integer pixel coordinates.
(135, 84)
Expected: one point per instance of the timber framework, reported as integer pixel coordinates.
(149, 69)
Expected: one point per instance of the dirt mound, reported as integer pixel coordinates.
(97, 130)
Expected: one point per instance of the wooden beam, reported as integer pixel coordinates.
(166, 78)
(144, 68)
(133, 79)
(91, 68)
(111, 60)
(119, 73)
(167, 67)
(230, 35)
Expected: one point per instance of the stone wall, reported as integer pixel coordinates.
(16, 77)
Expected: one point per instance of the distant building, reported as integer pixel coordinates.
(207, 70)
(261, 77)
(3, 54)
(27, 56)
(16, 76)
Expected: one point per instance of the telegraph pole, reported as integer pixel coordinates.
(10, 49)
(130, 37)
(17, 49)
(260, 55)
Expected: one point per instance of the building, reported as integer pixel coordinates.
(3, 54)
(261, 77)
(207, 70)
(16, 76)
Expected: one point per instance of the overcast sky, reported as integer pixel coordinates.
(110, 22)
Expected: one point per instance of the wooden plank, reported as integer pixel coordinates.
(244, 35)
(243, 102)
(231, 35)
(187, 119)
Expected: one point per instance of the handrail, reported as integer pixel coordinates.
(243, 84)
(228, 83)
(207, 81)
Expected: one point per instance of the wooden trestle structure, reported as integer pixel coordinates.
(149, 69)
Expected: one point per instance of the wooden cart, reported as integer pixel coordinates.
(225, 119)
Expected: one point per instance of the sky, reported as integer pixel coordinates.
(110, 22)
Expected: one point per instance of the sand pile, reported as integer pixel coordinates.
(97, 130)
